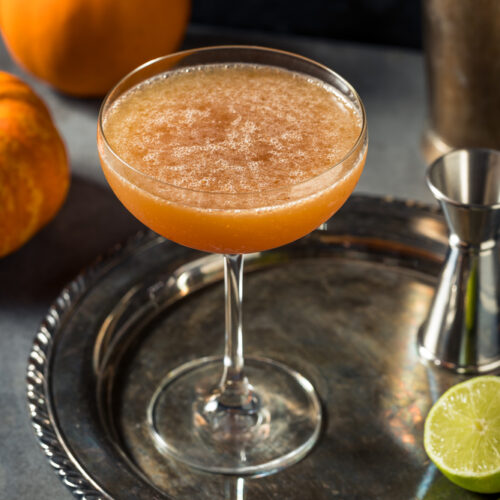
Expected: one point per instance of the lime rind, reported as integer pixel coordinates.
(462, 434)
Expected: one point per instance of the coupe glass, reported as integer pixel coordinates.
(234, 414)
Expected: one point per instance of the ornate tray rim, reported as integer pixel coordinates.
(42, 415)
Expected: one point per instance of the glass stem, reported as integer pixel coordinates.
(234, 388)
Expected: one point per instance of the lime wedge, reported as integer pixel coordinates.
(462, 434)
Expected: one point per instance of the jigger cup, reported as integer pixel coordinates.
(462, 330)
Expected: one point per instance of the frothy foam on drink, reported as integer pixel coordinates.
(233, 129)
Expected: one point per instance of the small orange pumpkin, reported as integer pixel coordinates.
(34, 172)
(83, 47)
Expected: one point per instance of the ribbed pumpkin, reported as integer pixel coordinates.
(83, 47)
(34, 173)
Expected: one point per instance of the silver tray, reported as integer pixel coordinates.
(342, 306)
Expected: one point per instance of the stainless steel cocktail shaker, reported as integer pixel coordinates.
(462, 53)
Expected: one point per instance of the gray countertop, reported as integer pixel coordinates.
(391, 84)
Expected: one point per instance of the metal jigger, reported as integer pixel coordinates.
(462, 330)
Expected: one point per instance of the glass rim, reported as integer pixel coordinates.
(107, 101)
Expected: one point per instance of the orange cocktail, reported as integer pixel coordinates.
(233, 150)
(232, 159)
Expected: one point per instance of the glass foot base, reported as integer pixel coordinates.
(277, 428)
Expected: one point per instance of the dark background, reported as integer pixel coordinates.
(386, 22)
